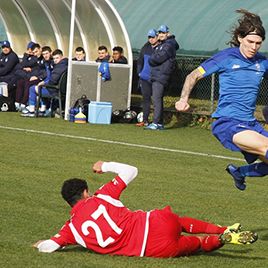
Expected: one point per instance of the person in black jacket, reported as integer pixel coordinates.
(117, 56)
(24, 68)
(162, 62)
(143, 70)
(60, 66)
(8, 61)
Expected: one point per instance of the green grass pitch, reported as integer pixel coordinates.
(34, 164)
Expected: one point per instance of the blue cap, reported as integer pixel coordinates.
(152, 33)
(5, 43)
(30, 44)
(163, 29)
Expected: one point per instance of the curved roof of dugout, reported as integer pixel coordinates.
(48, 23)
(199, 26)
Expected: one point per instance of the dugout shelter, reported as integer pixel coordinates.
(67, 24)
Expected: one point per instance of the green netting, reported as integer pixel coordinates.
(200, 26)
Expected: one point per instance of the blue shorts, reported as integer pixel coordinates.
(225, 128)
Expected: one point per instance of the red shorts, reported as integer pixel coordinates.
(164, 237)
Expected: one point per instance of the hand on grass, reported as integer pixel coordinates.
(35, 245)
(97, 167)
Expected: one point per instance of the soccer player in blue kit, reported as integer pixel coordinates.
(241, 69)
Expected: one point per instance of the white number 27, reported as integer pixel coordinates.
(95, 215)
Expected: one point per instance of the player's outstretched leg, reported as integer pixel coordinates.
(195, 226)
(253, 170)
(239, 180)
(240, 238)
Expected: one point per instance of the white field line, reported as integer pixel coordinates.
(122, 143)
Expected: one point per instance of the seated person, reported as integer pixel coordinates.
(60, 66)
(118, 56)
(103, 54)
(39, 72)
(24, 67)
(80, 54)
(8, 61)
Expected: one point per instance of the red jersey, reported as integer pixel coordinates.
(103, 224)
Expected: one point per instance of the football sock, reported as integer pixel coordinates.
(210, 243)
(194, 226)
(43, 107)
(254, 170)
(31, 108)
(32, 96)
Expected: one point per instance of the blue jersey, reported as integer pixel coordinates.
(239, 80)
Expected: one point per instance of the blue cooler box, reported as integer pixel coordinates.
(99, 112)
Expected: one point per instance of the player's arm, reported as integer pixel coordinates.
(190, 81)
(126, 172)
(63, 238)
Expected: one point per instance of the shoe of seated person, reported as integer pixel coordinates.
(239, 180)
(42, 114)
(240, 238)
(28, 114)
(154, 126)
(25, 110)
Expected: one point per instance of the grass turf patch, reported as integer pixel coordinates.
(34, 165)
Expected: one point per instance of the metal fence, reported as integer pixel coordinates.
(205, 94)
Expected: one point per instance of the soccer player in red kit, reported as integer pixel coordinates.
(101, 223)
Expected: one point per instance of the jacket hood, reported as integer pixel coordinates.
(171, 39)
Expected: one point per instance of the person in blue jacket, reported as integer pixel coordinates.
(60, 66)
(241, 69)
(163, 63)
(144, 72)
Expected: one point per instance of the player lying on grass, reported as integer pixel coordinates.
(241, 69)
(101, 223)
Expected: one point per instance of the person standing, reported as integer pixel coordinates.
(241, 69)
(101, 223)
(162, 62)
(8, 61)
(144, 70)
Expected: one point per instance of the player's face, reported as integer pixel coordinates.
(116, 55)
(6, 50)
(29, 51)
(153, 40)
(162, 36)
(57, 58)
(37, 52)
(250, 45)
(102, 54)
(46, 55)
(79, 55)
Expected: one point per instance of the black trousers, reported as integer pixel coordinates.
(146, 91)
(158, 95)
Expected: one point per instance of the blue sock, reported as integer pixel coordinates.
(32, 95)
(254, 170)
